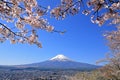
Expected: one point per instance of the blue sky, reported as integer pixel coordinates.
(83, 42)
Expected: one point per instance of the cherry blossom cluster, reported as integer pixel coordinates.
(105, 10)
(67, 7)
(100, 10)
(114, 39)
(22, 13)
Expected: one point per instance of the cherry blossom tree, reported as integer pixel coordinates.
(112, 69)
(29, 12)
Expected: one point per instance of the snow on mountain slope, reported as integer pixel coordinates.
(60, 57)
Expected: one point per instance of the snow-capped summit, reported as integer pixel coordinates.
(60, 57)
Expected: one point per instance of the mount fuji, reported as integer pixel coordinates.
(61, 62)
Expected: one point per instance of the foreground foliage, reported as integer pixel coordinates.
(93, 75)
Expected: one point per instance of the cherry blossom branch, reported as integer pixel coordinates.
(12, 31)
